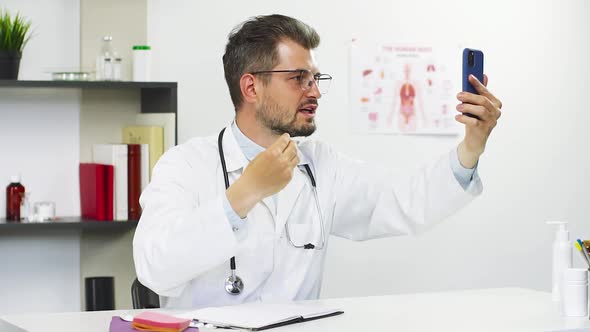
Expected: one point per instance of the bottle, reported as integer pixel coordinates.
(14, 193)
(107, 70)
(562, 257)
(117, 67)
(141, 63)
(107, 51)
(575, 293)
(25, 207)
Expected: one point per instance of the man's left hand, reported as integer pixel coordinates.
(487, 108)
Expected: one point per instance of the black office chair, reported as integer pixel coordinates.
(143, 297)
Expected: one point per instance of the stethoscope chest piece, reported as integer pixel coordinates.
(234, 284)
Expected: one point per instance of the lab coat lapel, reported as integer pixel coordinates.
(287, 199)
(268, 202)
(234, 157)
(236, 160)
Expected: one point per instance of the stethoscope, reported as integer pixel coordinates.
(234, 284)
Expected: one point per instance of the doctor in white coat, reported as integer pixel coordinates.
(265, 237)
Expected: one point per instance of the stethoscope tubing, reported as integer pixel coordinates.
(232, 261)
(234, 284)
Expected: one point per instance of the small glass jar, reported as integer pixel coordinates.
(44, 211)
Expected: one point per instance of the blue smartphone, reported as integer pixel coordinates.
(472, 65)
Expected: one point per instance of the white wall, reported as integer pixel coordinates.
(125, 21)
(534, 168)
(39, 139)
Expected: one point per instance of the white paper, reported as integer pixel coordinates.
(145, 166)
(257, 314)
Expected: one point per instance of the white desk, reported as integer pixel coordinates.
(504, 309)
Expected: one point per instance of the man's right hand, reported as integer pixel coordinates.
(266, 175)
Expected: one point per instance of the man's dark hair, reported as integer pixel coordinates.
(252, 46)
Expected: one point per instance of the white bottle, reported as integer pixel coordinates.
(562, 258)
(575, 293)
(141, 63)
(104, 59)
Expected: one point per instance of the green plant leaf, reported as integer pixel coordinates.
(14, 32)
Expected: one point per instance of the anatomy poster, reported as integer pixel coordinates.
(404, 89)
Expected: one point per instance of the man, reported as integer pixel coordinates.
(283, 199)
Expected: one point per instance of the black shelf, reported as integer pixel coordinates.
(87, 84)
(156, 97)
(67, 223)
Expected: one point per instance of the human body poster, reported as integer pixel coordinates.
(404, 89)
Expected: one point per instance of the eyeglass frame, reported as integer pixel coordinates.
(316, 77)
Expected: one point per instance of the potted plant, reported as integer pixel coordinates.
(14, 35)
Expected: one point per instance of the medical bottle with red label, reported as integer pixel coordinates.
(14, 194)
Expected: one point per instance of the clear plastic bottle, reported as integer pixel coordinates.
(117, 68)
(25, 207)
(104, 59)
(14, 194)
(107, 73)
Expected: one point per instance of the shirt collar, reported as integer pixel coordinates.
(248, 147)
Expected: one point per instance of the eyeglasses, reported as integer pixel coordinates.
(305, 78)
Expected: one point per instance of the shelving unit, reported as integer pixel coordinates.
(68, 223)
(156, 97)
(103, 247)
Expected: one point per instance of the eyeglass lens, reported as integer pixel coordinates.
(322, 80)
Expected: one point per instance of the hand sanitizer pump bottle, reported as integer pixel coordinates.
(562, 258)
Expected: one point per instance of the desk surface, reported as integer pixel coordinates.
(503, 309)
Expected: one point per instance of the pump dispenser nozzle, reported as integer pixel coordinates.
(562, 234)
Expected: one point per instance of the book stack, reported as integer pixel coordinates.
(111, 185)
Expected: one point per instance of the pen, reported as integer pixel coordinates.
(580, 246)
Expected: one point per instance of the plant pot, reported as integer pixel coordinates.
(9, 64)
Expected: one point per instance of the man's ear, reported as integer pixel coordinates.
(248, 88)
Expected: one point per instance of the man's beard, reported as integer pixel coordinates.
(272, 116)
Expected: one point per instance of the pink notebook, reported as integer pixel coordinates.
(155, 321)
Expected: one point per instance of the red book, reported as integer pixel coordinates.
(133, 181)
(110, 191)
(96, 185)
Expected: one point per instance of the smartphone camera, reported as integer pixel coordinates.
(471, 59)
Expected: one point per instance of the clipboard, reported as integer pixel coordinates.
(295, 320)
(261, 316)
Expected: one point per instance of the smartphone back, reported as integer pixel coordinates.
(472, 65)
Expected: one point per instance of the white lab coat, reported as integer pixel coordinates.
(183, 243)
